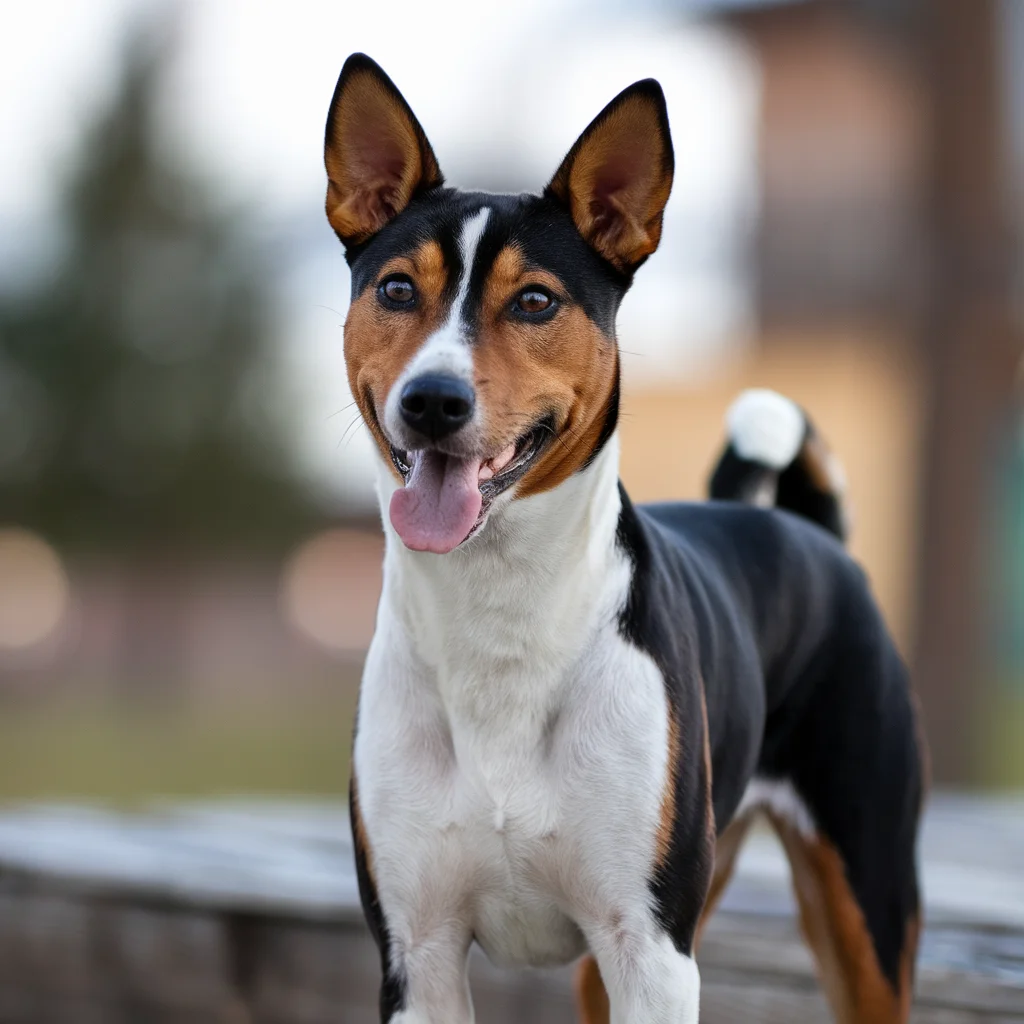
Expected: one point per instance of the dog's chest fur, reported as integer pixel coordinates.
(495, 732)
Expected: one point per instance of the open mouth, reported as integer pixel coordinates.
(495, 474)
(446, 497)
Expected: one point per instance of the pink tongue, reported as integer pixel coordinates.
(439, 503)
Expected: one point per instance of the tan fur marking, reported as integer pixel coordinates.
(834, 927)
(376, 158)
(379, 342)
(667, 820)
(524, 371)
(727, 845)
(506, 273)
(591, 996)
(617, 181)
(708, 774)
(908, 961)
(713, 894)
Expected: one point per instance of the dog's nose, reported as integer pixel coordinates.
(437, 406)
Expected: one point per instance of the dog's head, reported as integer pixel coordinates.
(480, 342)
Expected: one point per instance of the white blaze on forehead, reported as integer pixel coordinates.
(447, 349)
(472, 232)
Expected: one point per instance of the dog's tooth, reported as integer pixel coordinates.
(499, 462)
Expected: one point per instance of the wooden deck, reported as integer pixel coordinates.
(247, 913)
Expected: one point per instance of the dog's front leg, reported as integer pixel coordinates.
(432, 970)
(647, 980)
(413, 913)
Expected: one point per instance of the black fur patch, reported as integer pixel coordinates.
(797, 493)
(392, 988)
(738, 479)
(611, 419)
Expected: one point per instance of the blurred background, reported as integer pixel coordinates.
(189, 543)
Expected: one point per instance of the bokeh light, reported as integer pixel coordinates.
(329, 589)
(34, 590)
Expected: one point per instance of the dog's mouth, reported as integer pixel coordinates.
(447, 496)
(495, 474)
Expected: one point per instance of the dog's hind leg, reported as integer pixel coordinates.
(859, 989)
(727, 848)
(591, 995)
(843, 789)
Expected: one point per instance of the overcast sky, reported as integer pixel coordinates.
(501, 89)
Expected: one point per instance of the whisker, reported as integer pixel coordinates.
(358, 419)
(341, 410)
(362, 423)
(330, 309)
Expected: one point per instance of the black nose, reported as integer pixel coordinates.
(437, 406)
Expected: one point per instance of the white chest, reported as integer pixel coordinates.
(533, 822)
(513, 824)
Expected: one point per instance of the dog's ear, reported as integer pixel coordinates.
(376, 153)
(616, 179)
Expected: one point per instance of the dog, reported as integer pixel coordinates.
(573, 706)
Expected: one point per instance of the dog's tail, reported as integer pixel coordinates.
(775, 458)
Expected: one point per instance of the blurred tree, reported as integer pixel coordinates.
(141, 410)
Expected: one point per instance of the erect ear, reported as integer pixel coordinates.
(616, 179)
(376, 154)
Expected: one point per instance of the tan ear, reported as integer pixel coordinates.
(616, 179)
(376, 153)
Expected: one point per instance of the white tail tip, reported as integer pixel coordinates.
(766, 427)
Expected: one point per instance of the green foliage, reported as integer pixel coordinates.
(140, 403)
(114, 752)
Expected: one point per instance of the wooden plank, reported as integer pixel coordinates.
(246, 912)
(178, 965)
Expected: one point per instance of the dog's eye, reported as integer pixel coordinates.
(397, 291)
(532, 301)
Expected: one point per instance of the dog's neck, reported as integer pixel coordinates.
(523, 594)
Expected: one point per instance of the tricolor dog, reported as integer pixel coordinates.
(574, 706)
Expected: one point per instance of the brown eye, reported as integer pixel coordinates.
(534, 300)
(397, 291)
